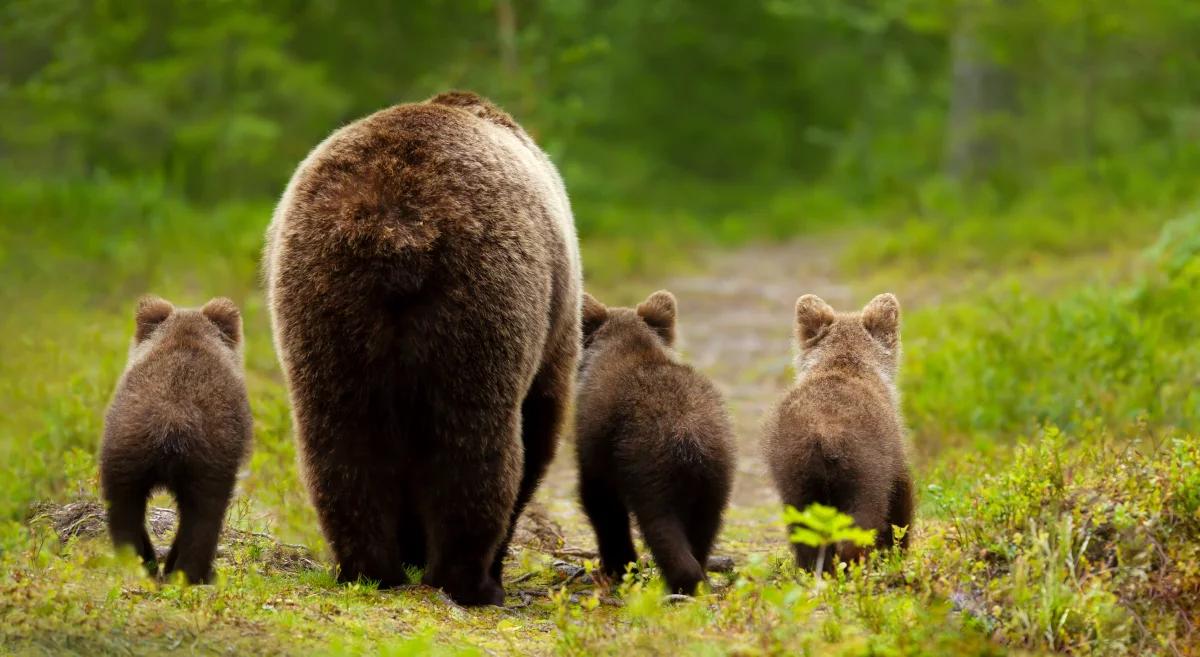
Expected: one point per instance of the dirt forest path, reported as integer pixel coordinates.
(735, 318)
(735, 324)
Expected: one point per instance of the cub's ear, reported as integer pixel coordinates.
(813, 317)
(658, 311)
(151, 311)
(225, 314)
(881, 318)
(594, 315)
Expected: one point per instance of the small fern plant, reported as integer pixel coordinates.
(821, 527)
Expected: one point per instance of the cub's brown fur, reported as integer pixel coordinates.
(653, 438)
(425, 286)
(179, 420)
(837, 437)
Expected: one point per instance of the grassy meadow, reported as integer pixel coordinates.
(1051, 405)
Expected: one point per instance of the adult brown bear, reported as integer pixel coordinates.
(424, 284)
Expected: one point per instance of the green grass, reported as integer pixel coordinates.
(1062, 550)
(945, 229)
(1014, 359)
(1058, 487)
(1086, 544)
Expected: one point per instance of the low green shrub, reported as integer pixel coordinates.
(1085, 543)
(1013, 360)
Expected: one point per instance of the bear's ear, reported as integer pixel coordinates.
(151, 311)
(813, 318)
(594, 315)
(881, 318)
(225, 314)
(658, 311)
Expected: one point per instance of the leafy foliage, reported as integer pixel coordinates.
(1014, 359)
(707, 108)
(1085, 544)
(822, 527)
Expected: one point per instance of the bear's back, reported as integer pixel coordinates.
(840, 418)
(182, 385)
(437, 200)
(655, 414)
(454, 163)
(419, 256)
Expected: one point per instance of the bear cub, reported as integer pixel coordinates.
(653, 439)
(837, 437)
(179, 420)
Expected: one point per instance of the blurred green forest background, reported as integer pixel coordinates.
(738, 119)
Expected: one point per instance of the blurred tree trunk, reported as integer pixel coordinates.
(1088, 97)
(982, 96)
(506, 33)
(506, 29)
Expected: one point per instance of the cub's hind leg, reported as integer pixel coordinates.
(201, 515)
(610, 521)
(127, 521)
(869, 509)
(664, 534)
(900, 510)
(800, 493)
(704, 522)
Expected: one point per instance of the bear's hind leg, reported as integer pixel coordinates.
(466, 503)
(800, 493)
(127, 522)
(201, 514)
(869, 509)
(542, 415)
(610, 520)
(900, 509)
(410, 533)
(665, 536)
(704, 522)
(360, 522)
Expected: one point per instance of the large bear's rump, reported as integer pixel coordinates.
(424, 290)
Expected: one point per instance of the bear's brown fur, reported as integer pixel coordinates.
(179, 420)
(424, 284)
(653, 438)
(837, 437)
